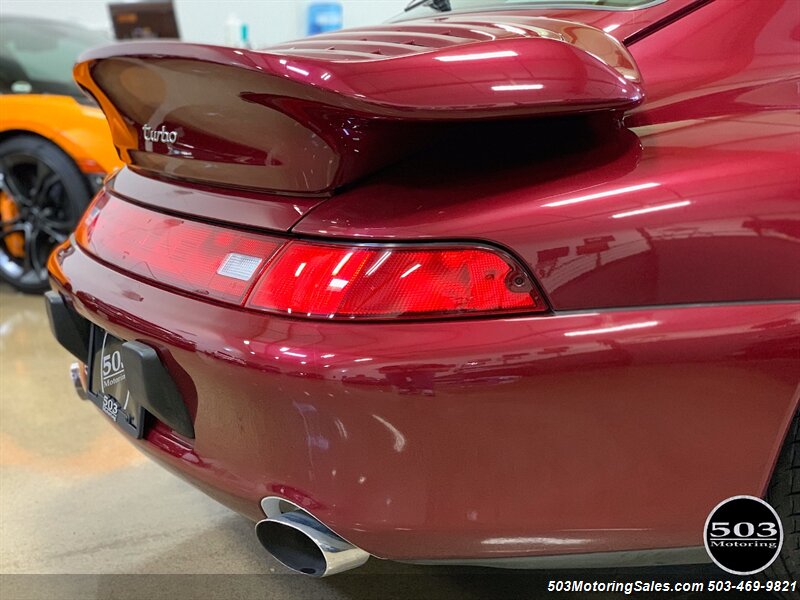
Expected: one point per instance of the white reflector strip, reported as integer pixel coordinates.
(239, 266)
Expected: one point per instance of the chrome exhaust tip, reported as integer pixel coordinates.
(300, 542)
(77, 373)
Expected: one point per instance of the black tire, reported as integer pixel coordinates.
(50, 194)
(784, 495)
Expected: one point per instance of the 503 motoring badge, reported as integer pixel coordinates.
(743, 535)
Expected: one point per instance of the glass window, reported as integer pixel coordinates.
(37, 55)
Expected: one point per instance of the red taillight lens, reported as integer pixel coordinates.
(334, 281)
(305, 279)
(211, 261)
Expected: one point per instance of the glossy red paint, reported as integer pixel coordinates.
(236, 207)
(697, 201)
(584, 430)
(328, 120)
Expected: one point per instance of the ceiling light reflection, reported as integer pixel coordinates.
(534, 541)
(489, 35)
(341, 264)
(606, 194)
(381, 259)
(399, 438)
(410, 271)
(611, 329)
(510, 28)
(644, 211)
(516, 88)
(297, 70)
(477, 56)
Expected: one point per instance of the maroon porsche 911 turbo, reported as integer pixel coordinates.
(499, 283)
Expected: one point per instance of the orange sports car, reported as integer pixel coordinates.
(55, 147)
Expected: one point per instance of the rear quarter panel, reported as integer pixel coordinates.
(696, 199)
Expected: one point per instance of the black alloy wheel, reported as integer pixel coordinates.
(43, 196)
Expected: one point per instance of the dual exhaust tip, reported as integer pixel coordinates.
(302, 543)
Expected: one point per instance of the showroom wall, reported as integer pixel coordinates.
(269, 21)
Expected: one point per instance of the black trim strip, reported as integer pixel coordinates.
(661, 23)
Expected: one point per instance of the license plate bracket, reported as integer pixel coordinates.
(108, 385)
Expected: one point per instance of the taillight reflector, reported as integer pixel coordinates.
(214, 262)
(335, 281)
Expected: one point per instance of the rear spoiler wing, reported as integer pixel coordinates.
(278, 121)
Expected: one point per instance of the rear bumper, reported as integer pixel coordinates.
(474, 439)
